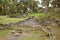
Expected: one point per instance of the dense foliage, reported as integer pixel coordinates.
(8, 7)
(23, 7)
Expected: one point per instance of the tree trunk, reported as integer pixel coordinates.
(46, 11)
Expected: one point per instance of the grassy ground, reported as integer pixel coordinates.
(36, 34)
(4, 19)
(4, 32)
(37, 14)
(32, 35)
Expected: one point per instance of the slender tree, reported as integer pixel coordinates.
(45, 3)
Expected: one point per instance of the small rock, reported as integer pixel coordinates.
(17, 34)
(13, 31)
(33, 26)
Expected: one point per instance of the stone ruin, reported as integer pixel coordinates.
(27, 22)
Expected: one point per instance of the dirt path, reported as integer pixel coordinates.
(12, 37)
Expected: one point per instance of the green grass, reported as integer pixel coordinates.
(37, 14)
(41, 14)
(4, 32)
(3, 16)
(6, 20)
